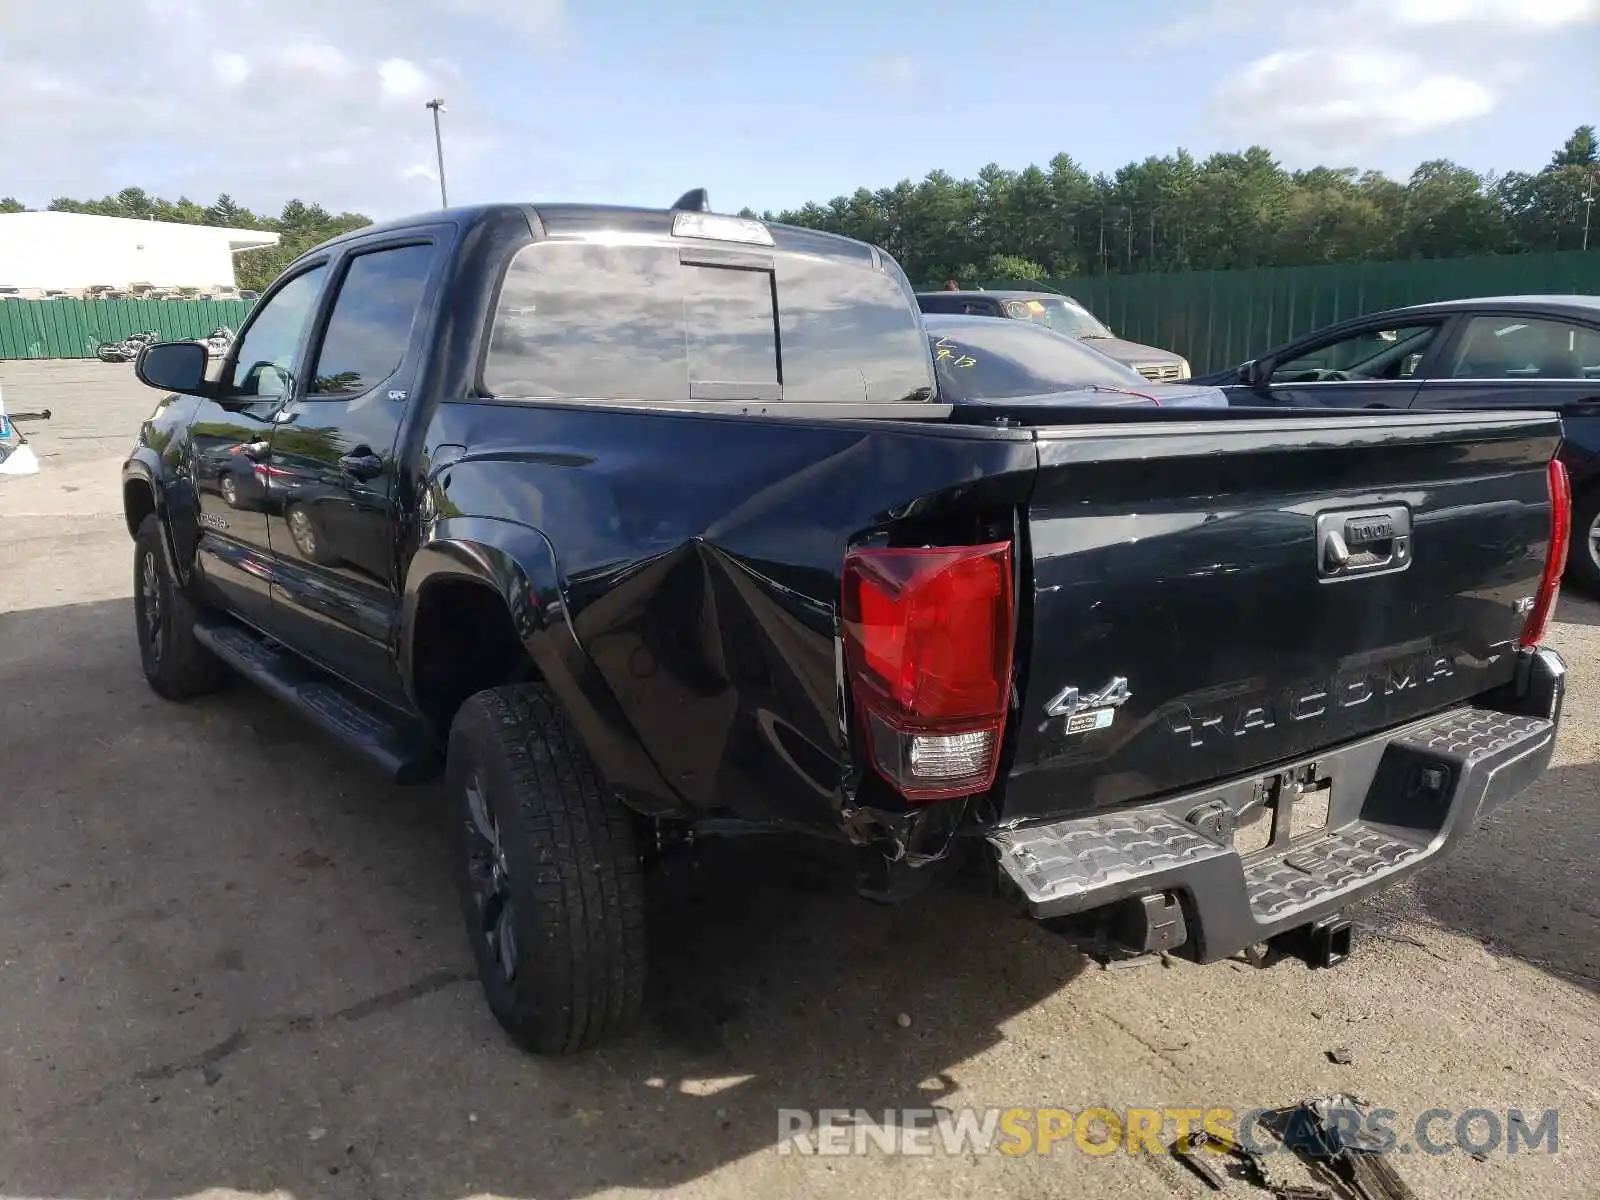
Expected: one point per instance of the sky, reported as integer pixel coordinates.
(766, 105)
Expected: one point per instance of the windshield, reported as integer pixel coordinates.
(1061, 315)
(981, 359)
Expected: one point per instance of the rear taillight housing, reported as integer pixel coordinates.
(1555, 559)
(928, 635)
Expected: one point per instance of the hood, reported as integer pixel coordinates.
(1131, 353)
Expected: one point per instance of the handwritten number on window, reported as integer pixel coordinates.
(952, 355)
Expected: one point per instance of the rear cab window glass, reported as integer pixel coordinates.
(729, 324)
(672, 323)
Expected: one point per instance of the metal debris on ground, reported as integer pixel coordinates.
(1330, 1136)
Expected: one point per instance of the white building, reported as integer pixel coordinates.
(43, 252)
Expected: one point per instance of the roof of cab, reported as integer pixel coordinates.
(578, 222)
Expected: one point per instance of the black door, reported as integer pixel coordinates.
(1373, 365)
(228, 441)
(333, 520)
(1548, 361)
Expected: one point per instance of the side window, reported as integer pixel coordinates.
(1372, 354)
(370, 326)
(265, 364)
(1516, 348)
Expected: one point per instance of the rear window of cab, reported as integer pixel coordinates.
(675, 323)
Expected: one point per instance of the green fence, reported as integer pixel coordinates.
(73, 328)
(1218, 318)
(1213, 318)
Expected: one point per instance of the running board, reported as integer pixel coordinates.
(402, 750)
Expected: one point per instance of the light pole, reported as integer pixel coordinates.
(1588, 211)
(437, 104)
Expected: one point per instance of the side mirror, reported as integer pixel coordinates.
(174, 367)
(1257, 372)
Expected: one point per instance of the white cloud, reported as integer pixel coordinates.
(1346, 98)
(1504, 16)
(1337, 76)
(265, 99)
(230, 69)
(402, 79)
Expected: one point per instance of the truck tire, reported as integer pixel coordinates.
(1583, 553)
(548, 869)
(175, 664)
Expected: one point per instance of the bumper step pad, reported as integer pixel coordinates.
(1474, 734)
(1475, 759)
(1054, 863)
(1323, 868)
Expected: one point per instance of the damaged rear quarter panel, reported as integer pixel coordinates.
(699, 557)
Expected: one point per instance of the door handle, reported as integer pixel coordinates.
(361, 465)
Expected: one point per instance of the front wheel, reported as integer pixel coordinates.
(1583, 553)
(175, 664)
(549, 874)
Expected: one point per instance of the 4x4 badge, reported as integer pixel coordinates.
(1089, 710)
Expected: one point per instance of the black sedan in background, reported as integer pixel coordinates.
(1538, 352)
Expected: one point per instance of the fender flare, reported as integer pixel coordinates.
(138, 470)
(518, 563)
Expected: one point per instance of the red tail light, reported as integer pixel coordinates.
(1555, 560)
(928, 635)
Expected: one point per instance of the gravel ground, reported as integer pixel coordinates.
(230, 962)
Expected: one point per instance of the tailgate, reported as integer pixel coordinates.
(1211, 598)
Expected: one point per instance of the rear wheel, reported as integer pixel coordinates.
(1583, 554)
(175, 664)
(548, 870)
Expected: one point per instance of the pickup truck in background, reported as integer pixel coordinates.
(639, 526)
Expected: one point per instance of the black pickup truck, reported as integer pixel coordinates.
(645, 525)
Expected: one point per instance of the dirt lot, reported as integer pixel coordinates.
(229, 960)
